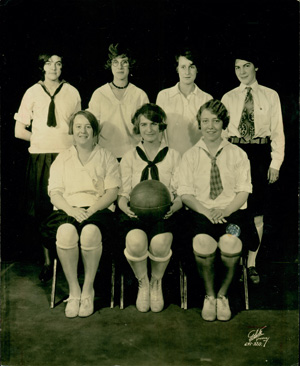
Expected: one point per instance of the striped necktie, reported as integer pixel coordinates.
(246, 126)
(216, 186)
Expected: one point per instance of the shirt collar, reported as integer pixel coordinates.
(253, 86)
(201, 144)
(162, 145)
(175, 90)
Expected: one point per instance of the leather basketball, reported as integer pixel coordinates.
(150, 200)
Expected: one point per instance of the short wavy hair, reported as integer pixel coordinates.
(43, 58)
(152, 112)
(216, 107)
(189, 54)
(119, 50)
(90, 117)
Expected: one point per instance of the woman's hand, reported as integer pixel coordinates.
(217, 216)
(273, 175)
(79, 213)
(130, 213)
(169, 213)
(177, 205)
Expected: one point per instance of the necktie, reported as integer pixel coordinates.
(51, 121)
(151, 164)
(246, 126)
(216, 186)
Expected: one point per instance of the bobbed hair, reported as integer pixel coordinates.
(90, 117)
(215, 107)
(42, 59)
(152, 112)
(189, 54)
(119, 50)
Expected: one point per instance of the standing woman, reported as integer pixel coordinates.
(46, 107)
(114, 103)
(151, 159)
(182, 102)
(83, 185)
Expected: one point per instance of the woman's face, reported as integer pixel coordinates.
(53, 68)
(245, 71)
(149, 130)
(120, 68)
(187, 71)
(82, 131)
(211, 126)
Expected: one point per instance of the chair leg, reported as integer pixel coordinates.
(112, 293)
(52, 301)
(185, 290)
(183, 287)
(245, 275)
(122, 292)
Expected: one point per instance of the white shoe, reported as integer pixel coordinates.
(86, 306)
(143, 297)
(72, 308)
(209, 310)
(156, 296)
(223, 309)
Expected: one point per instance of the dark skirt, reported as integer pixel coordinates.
(260, 159)
(103, 219)
(200, 224)
(36, 202)
(151, 228)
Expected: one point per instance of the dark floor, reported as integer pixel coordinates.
(35, 335)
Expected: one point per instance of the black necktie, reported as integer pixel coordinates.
(51, 121)
(151, 164)
(216, 186)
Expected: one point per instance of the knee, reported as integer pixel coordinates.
(90, 237)
(230, 245)
(161, 244)
(204, 245)
(136, 243)
(67, 237)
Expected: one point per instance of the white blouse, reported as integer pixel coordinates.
(82, 185)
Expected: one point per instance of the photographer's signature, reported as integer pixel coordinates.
(256, 338)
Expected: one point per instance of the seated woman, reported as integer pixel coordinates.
(214, 183)
(83, 185)
(151, 159)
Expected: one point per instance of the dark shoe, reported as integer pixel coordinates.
(46, 273)
(254, 276)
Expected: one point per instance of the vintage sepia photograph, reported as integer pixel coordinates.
(149, 183)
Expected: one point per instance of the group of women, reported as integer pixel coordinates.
(88, 162)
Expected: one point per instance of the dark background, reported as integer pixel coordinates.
(82, 31)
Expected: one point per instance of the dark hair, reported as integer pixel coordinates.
(216, 107)
(248, 54)
(152, 112)
(189, 54)
(42, 59)
(90, 117)
(118, 50)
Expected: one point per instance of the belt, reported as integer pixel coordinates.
(257, 140)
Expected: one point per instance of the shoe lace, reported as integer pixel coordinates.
(223, 301)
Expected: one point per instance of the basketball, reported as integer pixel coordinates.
(150, 200)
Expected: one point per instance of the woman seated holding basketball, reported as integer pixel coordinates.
(83, 186)
(144, 236)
